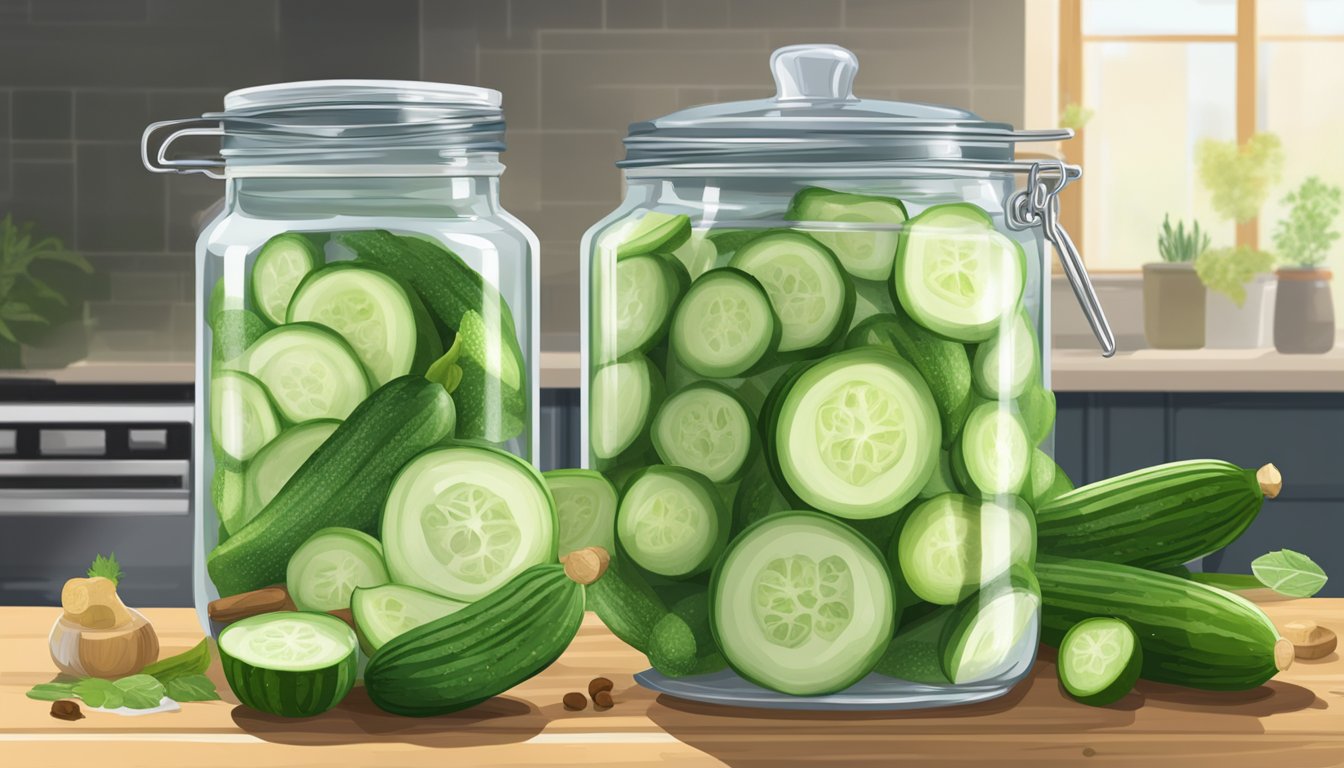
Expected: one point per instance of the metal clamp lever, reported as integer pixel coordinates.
(158, 162)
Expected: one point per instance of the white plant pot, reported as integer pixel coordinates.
(1250, 326)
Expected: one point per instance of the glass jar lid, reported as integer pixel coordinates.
(815, 117)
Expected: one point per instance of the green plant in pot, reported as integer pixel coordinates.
(1240, 301)
(31, 304)
(1173, 296)
(1304, 315)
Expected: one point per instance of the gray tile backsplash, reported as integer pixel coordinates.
(79, 79)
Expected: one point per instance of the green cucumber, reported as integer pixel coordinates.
(994, 449)
(389, 611)
(1099, 661)
(344, 483)
(941, 481)
(672, 522)
(654, 232)
(309, 371)
(957, 276)
(623, 399)
(1010, 361)
(625, 603)
(1158, 517)
(682, 642)
(327, 568)
(1036, 406)
(808, 289)
(1045, 480)
(288, 663)
(1191, 634)
(698, 255)
(756, 497)
(950, 545)
(866, 253)
(275, 464)
(242, 420)
(281, 265)
(707, 428)
(492, 398)
(490, 646)
(725, 326)
(916, 652)
(232, 332)
(463, 520)
(585, 509)
(633, 301)
(870, 300)
(985, 632)
(220, 302)
(1232, 582)
(227, 491)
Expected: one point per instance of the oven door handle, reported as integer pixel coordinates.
(93, 501)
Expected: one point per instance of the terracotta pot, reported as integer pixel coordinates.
(1173, 306)
(1304, 312)
(1249, 326)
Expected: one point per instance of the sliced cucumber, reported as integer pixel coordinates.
(310, 372)
(856, 434)
(672, 522)
(281, 265)
(273, 465)
(654, 232)
(950, 545)
(623, 399)
(634, 300)
(807, 288)
(866, 254)
(384, 323)
(460, 521)
(1009, 361)
(226, 494)
(955, 274)
(1037, 408)
(870, 299)
(232, 332)
(986, 633)
(384, 612)
(801, 604)
(707, 428)
(941, 481)
(585, 509)
(1099, 661)
(995, 449)
(241, 417)
(288, 663)
(725, 326)
(326, 569)
(698, 254)
(1045, 480)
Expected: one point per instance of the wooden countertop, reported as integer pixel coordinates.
(1295, 721)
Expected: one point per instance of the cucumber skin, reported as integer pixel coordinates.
(915, 653)
(289, 693)
(481, 651)
(625, 602)
(233, 331)
(343, 484)
(1191, 634)
(1036, 406)
(1155, 518)
(1123, 683)
(682, 642)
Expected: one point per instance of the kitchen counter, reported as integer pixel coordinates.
(1295, 721)
(1196, 370)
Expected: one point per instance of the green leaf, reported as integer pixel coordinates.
(107, 567)
(52, 691)
(1289, 573)
(190, 662)
(97, 692)
(192, 688)
(6, 333)
(140, 691)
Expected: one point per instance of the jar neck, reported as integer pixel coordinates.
(361, 195)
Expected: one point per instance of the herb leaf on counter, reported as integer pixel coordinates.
(192, 688)
(1289, 573)
(97, 692)
(140, 691)
(191, 662)
(52, 691)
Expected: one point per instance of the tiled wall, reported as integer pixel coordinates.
(80, 78)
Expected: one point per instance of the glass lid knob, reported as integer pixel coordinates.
(814, 73)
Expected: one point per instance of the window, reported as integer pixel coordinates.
(1161, 75)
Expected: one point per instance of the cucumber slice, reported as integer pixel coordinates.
(870, 299)
(281, 265)
(585, 509)
(385, 324)
(985, 633)
(654, 232)
(1045, 480)
(289, 664)
(801, 604)
(855, 434)
(1037, 408)
(672, 522)
(1099, 661)
(241, 417)
(950, 545)
(807, 288)
(384, 612)
(273, 465)
(226, 494)
(698, 254)
(1009, 361)
(865, 254)
(725, 326)
(623, 399)
(310, 372)
(941, 481)
(995, 449)
(463, 520)
(707, 428)
(955, 274)
(634, 299)
(325, 570)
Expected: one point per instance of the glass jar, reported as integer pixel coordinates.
(361, 269)
(817, 356)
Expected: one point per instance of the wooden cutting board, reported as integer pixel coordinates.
(1295, 721)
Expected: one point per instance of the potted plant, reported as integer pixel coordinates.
(1304, 315)
(1239, 310)
(31, 306)
(1173, 296)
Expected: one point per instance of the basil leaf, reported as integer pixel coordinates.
(140, 691)
(52, 691)
(192, 688)
(1289, 573)
(97, 692)
(191, 662)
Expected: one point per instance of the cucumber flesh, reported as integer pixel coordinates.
(585, 509)
(950, 545)
(672, 522)
(654, 232)
(289, 663)
(984, 637)
(384, 612)
(1099, 661)
(241, 418)
(807, 288)
(310, 372)
(698, 254)
(706, 428)
(725, 326)
(634, 301)
(866, 254)
(461, 521)
(1006, 364)
(274, 464)
(995, 448)
(281, 265)
(327, 568)
(621, 406)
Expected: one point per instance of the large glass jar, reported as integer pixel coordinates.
(361, 270)
(816, 349)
